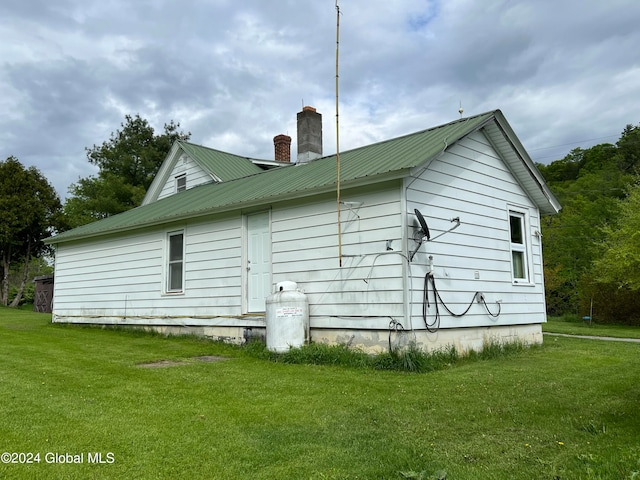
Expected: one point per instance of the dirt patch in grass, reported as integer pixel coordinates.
(210, 358)
(175, 363)
(161, 364)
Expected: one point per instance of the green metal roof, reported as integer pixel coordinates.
(367, 164)
(226, 166)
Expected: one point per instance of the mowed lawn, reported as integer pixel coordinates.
(567, 410)
(576, 326)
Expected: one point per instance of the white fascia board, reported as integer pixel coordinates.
(163, 173)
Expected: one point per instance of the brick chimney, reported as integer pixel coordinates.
(282, 145)
(309, 135)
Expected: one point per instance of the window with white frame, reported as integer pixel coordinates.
(175, 262)
(181, 183)
(518, 244)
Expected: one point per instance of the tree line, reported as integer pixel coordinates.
(591, 248)
(31, 210)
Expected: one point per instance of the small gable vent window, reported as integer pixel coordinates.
(175, 265)
(518, 243)
(181, 183)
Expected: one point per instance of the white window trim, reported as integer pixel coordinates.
(166, 270)
(525, 247)
(177, 180)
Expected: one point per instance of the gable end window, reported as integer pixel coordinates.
(518, 245)
(175, 262)
(181, 183)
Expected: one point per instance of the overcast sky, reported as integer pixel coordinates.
(234, 73)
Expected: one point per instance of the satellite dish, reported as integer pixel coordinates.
(423, 223)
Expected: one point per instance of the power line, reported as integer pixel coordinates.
(555, 156)
(573, 143)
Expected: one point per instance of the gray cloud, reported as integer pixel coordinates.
(236, 74)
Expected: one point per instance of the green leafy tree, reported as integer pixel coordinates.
(614, 280)
(571, 238)
(127, 164)
(95, 198)
(565, 170)
(619, 263)
(628, 159)
(30, 210)
(592, 186)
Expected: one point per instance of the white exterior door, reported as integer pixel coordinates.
(258, 261)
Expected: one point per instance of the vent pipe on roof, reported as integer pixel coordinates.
(309, 135)
(282, 146)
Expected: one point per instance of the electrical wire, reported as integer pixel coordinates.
(396, 326)
(432, 327)
(378, 255)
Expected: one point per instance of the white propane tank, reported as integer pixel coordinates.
(287, 317)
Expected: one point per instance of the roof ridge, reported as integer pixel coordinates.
(197, 145)
(406, 135)
(418, 132)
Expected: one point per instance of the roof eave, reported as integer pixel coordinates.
(534, 184)
(358, 182)
(163, 173)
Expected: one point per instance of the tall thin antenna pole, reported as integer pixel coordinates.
(338, 135)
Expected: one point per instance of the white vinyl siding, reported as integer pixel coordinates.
(305, 250)
(112, 280)
(471, 182)
(193, 175)
(104, 278)
(128, 279)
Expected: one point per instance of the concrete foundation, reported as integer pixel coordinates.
(463, 339)
(370, 341)
(376, 341)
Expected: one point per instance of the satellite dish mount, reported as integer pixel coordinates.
(423, 232)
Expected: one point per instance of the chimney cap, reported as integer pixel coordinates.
(308, 108)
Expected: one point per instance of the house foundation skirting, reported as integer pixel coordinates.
(463, 339)
(377, 341)
(240, 330)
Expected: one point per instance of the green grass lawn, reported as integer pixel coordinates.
(567, 410)
(573, 325)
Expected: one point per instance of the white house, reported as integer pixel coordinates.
(216, 232)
